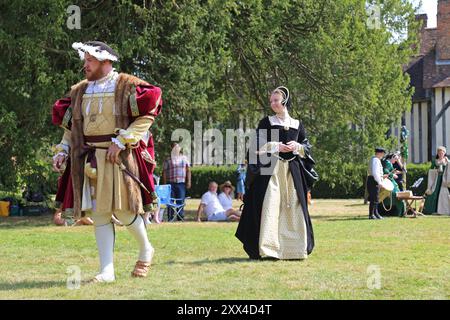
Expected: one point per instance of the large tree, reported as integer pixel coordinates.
(216, 61)
(344, 70)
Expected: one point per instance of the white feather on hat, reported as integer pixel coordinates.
(95, 51)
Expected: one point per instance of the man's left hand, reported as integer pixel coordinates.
(113, 153)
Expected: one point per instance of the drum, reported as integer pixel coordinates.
(386, 188)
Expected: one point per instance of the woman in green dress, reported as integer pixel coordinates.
(391, 205)
(437, 194)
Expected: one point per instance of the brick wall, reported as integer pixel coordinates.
(443, 27)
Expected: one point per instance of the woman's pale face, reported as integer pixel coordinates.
(441, 154)
(275, 102)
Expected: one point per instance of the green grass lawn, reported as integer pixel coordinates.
(205, 261)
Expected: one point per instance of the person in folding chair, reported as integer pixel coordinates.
(106, 118)
(391, 205)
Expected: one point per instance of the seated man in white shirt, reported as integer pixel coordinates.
(210, 204)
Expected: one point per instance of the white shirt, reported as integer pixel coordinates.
(107, 84)
(286, 122)
(212, 203)
(226, 201)
(376, 169)
(103, 87)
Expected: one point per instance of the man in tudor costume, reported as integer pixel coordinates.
(108, 153)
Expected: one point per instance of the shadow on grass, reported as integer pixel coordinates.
(356, 205)
(339, 218)
(353, 218)
(25, 222)
(8, 286)
(229, 260)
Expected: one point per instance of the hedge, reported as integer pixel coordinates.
(356, 187)
(201, 176)
(347, 189)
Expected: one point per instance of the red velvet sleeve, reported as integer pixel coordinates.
(145, 101)
(61, 113)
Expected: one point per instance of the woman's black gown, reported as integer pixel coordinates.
(303, 175)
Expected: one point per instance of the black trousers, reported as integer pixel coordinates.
(374, 193)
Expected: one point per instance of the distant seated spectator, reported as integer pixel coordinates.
(84, 221)
(226, 195)
(214, 210)
(60, 221)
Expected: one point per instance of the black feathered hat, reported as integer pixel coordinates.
(100, 50)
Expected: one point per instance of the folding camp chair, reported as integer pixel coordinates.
(164, 192)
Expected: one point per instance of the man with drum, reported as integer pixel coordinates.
(374, 181)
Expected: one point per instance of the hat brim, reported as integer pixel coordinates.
(100, 55)
(226, 185)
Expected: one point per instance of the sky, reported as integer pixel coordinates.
(430, 8)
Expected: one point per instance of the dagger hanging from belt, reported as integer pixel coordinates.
(132, 176)
(90, 152)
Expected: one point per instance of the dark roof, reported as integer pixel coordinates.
(423, 69)
(415, 72)
(444, 83)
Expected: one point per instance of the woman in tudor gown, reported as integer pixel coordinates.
(391, 205)
(437, 194)
(275, 220)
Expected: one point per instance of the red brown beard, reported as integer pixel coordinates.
(95, 75)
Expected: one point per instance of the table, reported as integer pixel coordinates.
(411, 206)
